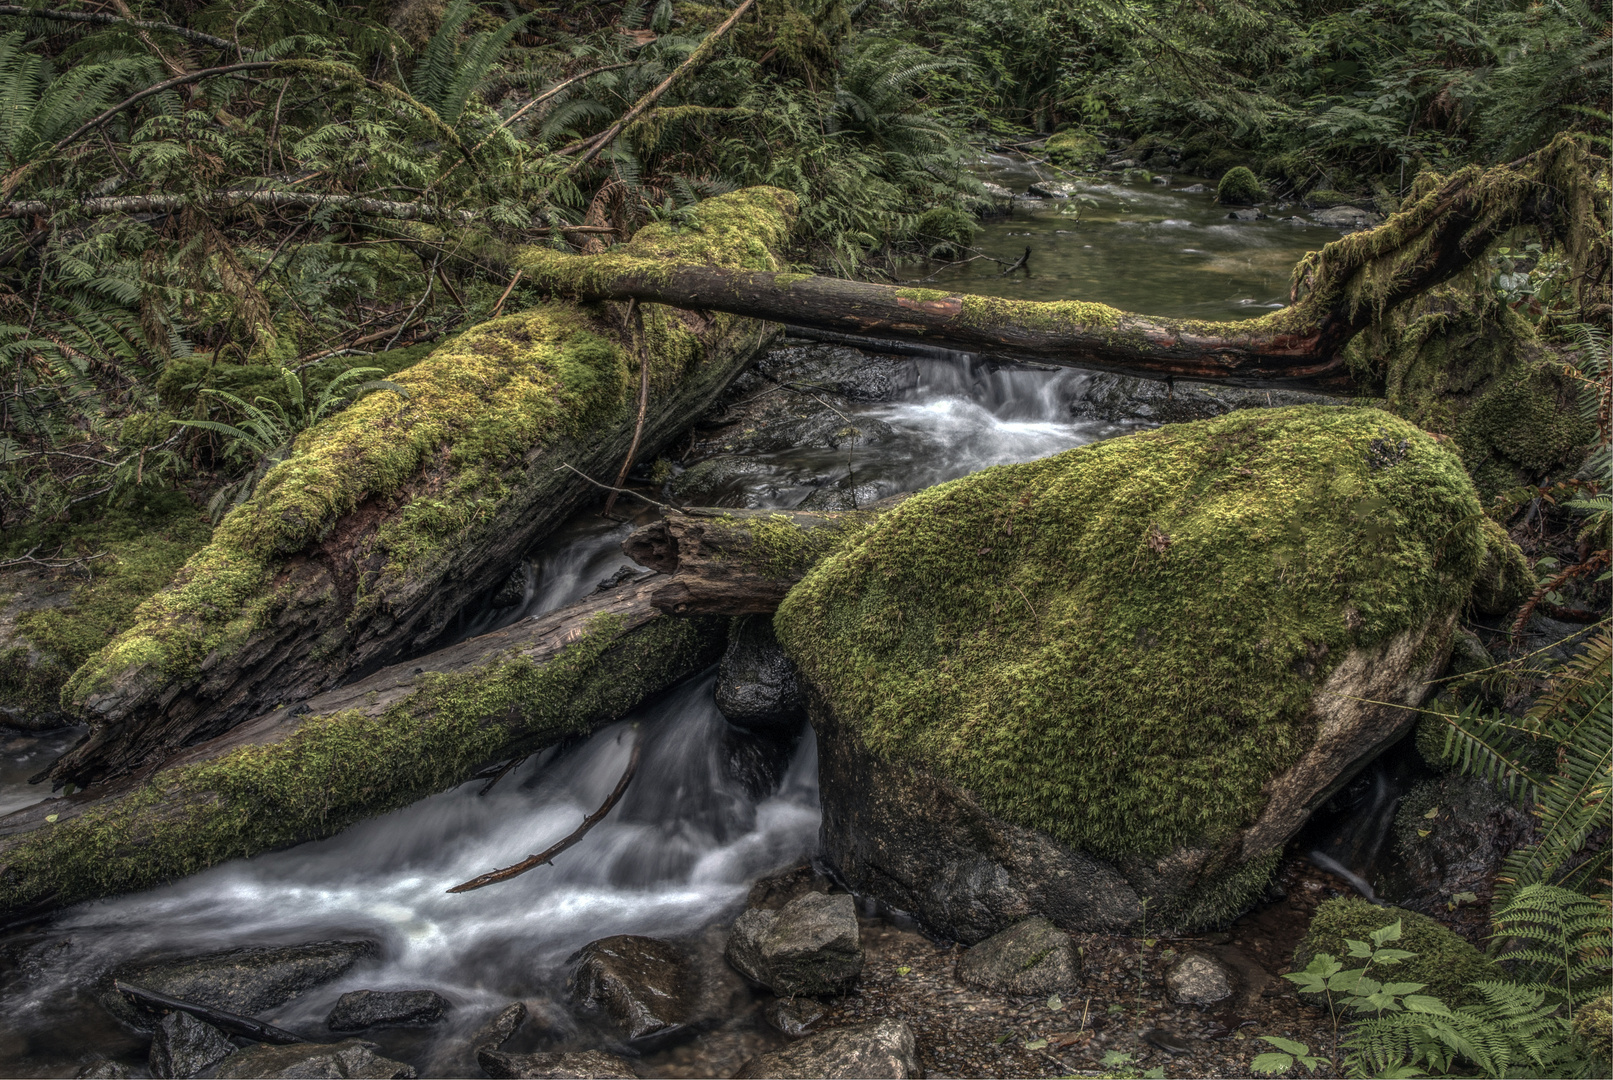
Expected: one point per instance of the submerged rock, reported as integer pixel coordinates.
(184, 1046)
(1052, 189)
(1346, 217)
(103, 1069)
(757, 688)
(360, 1009)
(641, 983)
(1198, 980)
(794, 1015)
(1121, 672)
(882, 1049)
(497, 1031)
(1030, 957)
(247, 981)
(811, 945)
(1104, 396)
(586, 1065)
(350, 1059)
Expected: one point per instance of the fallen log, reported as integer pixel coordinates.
(389, 517)
(739, 562)
(303, 772)
(226, 1021)
(1444, 226)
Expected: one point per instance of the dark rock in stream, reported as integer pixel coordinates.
(103, 1069)
(811, 945)
(586, 1065)
(1124, 397)
(247, 981)
(880, 1049)
(183, 1046)
(794, 1016)
(1030, 957)
(643, 984)
(1195, 979)
(757, 688)
(350, 1059)
(360, 1009)
(1451, 836)
(497, 1031)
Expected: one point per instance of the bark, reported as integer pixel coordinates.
(304, 772)
(738, 562)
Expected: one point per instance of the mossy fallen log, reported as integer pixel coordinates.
(305, 772)
(389, 516)
(1444, 226)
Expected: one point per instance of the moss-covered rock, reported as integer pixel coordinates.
(362, 542)
(1238, 187)
(1445, 963)
(51, 621)
(1593, 1023)
(1074, 149)
(1132, 647)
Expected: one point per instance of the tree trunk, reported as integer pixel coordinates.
(305, 772)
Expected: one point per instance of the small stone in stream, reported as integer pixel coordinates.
(360, 1009)
(1251, 214)
(641, 983)
(1030, 957)
(246, 981)
(349, 1059)
(497, 1031)
(587, 1065)
(811, 945)
(183, 1046)
(883, 1048)
(794, 1016)
(1193, 189)
(1167, 1040)
(996, 191)
(1052, 189)
(1198, 980)
(103, 1069)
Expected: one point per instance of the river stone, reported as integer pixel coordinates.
(245, 981)
(1194, 189)
(497, 1031)
(811, 945)
(757, 687)
(1130, 693)
(360, 1009)
(794, 1016)
(641, 983)
(1030, 957)
(1250, 214)
(183, 1046)
(103, 1069)
(1103, 396)
(882, 1048)
(1052, 189)
(585, 1065)
(350, 1059)
(1195, 979)
(1345, 217)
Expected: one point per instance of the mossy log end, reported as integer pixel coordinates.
(1337, 292)
(739, 562)
(389, 516)
(403, 733)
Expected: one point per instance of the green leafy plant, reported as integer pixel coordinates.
(1560, 940)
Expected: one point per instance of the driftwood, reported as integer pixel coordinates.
(227, 1022)
(737, 562)
(546, 857)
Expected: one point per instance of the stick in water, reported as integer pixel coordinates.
(495, 876)
(227, 1022)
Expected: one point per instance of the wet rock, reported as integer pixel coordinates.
(1030, 957)
(774, 892)
(1251, 214)
(1451, 836)
(1124, 397)
(183, 1046)
(1194, 189)
(1163, 181)
(103, 1069)
(844, 495)
(883, 1048)
(360, 1009)
(246, 981)
(811, 945)
(1345, 217)
(719, 481)
(757, 687)
(1198, 980)
(641, 983)
(996, 191)
(1168, 1041)
(497, 1031)
(586, 1065)
(1052, 189)
(794, 1016)
(350, 1059)
(836, 369)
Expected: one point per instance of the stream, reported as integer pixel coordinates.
(680, 852)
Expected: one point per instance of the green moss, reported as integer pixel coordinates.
(1074, 149)
(1444, 963)
(1223, 897)
(923, 296)
(1326, 198)
(987, 311)
(776, 546)
(1118, 645)
(1238, 188)
(1593, 1023)
(183, 377)
(334, 770)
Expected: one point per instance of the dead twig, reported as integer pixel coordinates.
(531, 861)
(52, 563)
(227, 1022)
(643, 406)
(624, 491)
(498, 307)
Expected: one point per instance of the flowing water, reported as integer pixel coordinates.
(679, 853)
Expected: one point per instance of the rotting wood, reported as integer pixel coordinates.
(547, 856)
(226, 1021)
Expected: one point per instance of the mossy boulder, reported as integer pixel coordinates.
(1445, 963)
(391, 515)
(1238, 187)
(1146, 660)
(1074, 149)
